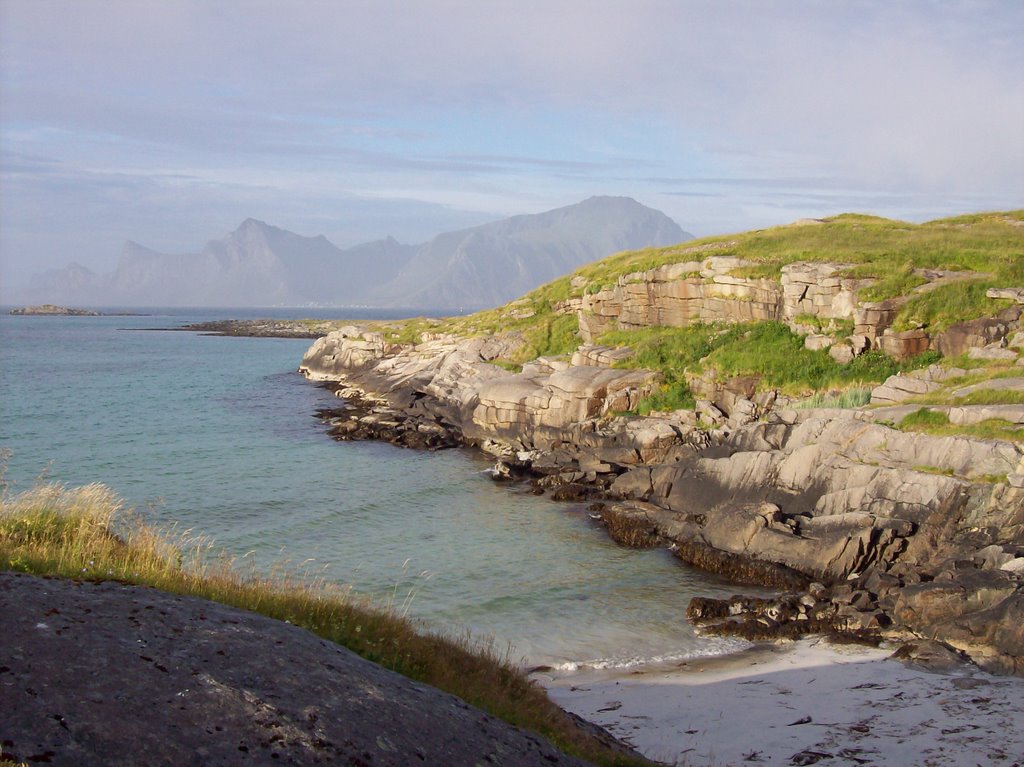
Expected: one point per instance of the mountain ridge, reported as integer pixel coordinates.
(259, 264)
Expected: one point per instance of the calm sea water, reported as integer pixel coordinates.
(217, 435)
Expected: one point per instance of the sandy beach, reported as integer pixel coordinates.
(807, 702)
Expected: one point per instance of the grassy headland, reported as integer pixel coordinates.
(984, 249)
(985, 246)
(980, 251)
(86, 534)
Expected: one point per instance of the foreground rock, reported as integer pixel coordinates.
(877, 531)
(108, 674)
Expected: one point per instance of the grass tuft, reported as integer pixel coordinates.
(857, 396)
(86, 533)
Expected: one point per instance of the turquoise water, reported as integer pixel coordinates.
(217, 435)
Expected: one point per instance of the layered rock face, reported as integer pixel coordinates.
(888, 530)
(712, 289)
(708, 291)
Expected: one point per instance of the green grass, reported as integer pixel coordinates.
(674, 352)
(935, 470)
(554, 335)
(830, 326)
(990, 397)
(937, 424)
(949, 304)
(856, 396)
(985, 242)
(897, 281)
(767, 350)
(86, 534)
(924, 419)
(977, 397)
(773, 352)
(669, 397)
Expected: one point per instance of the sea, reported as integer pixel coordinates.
(217, 436)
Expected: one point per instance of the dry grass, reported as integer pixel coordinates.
(86, 533)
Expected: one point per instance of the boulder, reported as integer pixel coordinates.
(960, 338)
(904, 345)
(842, 353)
(1013, 294)
(898, 388)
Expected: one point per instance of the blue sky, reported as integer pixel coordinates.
(170, 122)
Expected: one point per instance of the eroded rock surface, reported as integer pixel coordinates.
(97, 675)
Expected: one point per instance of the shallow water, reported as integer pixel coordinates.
(216, 435)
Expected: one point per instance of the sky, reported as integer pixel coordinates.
(170, 122)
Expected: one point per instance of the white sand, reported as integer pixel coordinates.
(807, 702)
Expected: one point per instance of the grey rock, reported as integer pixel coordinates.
(932, 655)
(991, 352)
(100, 674)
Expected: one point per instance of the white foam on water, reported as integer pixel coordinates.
(710, 650)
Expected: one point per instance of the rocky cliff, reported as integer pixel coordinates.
(876, 529)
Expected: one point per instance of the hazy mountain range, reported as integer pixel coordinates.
(262, 265)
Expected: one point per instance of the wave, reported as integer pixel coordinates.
(617, 663)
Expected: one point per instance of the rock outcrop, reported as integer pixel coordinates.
(713, 288)
(97, 674)
(869, 516)
(708, 290)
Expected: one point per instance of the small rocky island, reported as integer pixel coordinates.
(53, 310)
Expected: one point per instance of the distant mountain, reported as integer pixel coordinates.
(262, 265)
(255, 265)
(494, 263)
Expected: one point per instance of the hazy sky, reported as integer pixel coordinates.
(170, 122)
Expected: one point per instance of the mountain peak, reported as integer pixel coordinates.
(253, 226)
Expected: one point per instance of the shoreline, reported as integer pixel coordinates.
(804, 702)
(870, 532)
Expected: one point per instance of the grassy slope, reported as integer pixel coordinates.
(989, 245)
(987, 249)
(84, 533)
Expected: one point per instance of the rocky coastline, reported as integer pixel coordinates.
(267, 328)
(871, 532)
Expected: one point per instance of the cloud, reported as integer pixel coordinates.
(154, 114)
